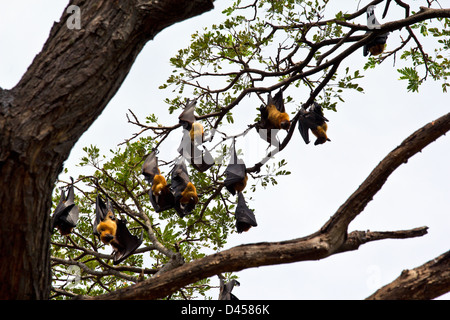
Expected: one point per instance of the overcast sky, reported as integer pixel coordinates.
(363, 131)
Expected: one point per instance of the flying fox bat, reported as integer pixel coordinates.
(184, 191)
(66, 214)
(245, 218)
(236, 175)
(189, 123)
(193, 136)
(313, 120)
(200, 160)
(377, 45)
(273, 117)
(161, 195)
(113, 231)
(226, 288)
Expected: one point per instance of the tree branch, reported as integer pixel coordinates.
(428, 281)
(330, 239)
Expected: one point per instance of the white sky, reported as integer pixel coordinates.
(365, 128)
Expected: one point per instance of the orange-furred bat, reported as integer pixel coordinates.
(313, 120)
(161, 195)
(273, 117)
(189, 195)
(105, 225)
(193, 138)
(184, 191)
(114, 232)
(189, 122)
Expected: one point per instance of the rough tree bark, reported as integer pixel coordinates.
(428, 281)
(65, 89)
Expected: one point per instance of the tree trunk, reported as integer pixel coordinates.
(61, 94)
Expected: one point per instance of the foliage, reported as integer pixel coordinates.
(262, 46)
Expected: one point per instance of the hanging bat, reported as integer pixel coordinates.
(236, 175)
(226, 288)
(113, 231)
(66, 213)
(200, 160)
(189, 123)
(273, 117)
(315, 121)
(245, 218)
(377, 45)
(161, 195)
(184, 190)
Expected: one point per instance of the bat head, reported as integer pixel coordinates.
(284, 121)
(107, 228)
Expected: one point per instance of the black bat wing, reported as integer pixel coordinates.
(150, 167)
(226, 288)
(245, 218)
(278, 101)
(366, 47)
(187, 117)
(124, 243)
(101, 211)
(180, 177)
(304, 124)
(203, 160)
(235, 171)
(67, 212)
(74, 212)
(164, 202)
(200, 160)
(61, 211)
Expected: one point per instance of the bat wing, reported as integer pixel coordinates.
(278, 101)
(187, 117)
(66, 213)
(203, 160)
(303, 129)
(382, 38)
(124, 243)
(180, 179)
(235, 172)
(150, 167)
(163, 202)
(62, 210)
(245, 218)
(317, 114)
(226, 288)
(200, 160)
(101, 211)
(304, 124)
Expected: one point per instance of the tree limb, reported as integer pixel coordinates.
(330, 239)
(428, 281)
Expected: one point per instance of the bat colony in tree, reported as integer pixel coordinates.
(180, 193)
